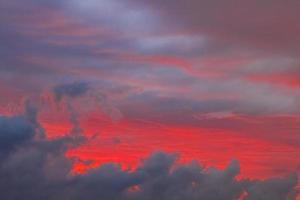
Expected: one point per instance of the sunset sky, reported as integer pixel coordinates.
(216, 81)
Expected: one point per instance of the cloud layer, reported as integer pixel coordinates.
(210, 79)
(38, 169)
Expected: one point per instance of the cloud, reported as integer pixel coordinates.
(80, 89)
(248, 23)
(38, 169)
(14, 131)
(71, 91)
(75, 89)
(275, 189)
(53, 42)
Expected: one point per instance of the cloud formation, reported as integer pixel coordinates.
(228, 71)
(38, 169)
(70, 90)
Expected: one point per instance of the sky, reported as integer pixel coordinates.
(143, 100)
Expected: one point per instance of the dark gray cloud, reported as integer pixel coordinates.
(38, 169)
(14, 131)
(70, 90)
(279, 187)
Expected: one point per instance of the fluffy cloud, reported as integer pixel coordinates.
(37, 168)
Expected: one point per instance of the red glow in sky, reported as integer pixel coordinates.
(212, 81)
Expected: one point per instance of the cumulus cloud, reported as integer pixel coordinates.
(37, 168)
